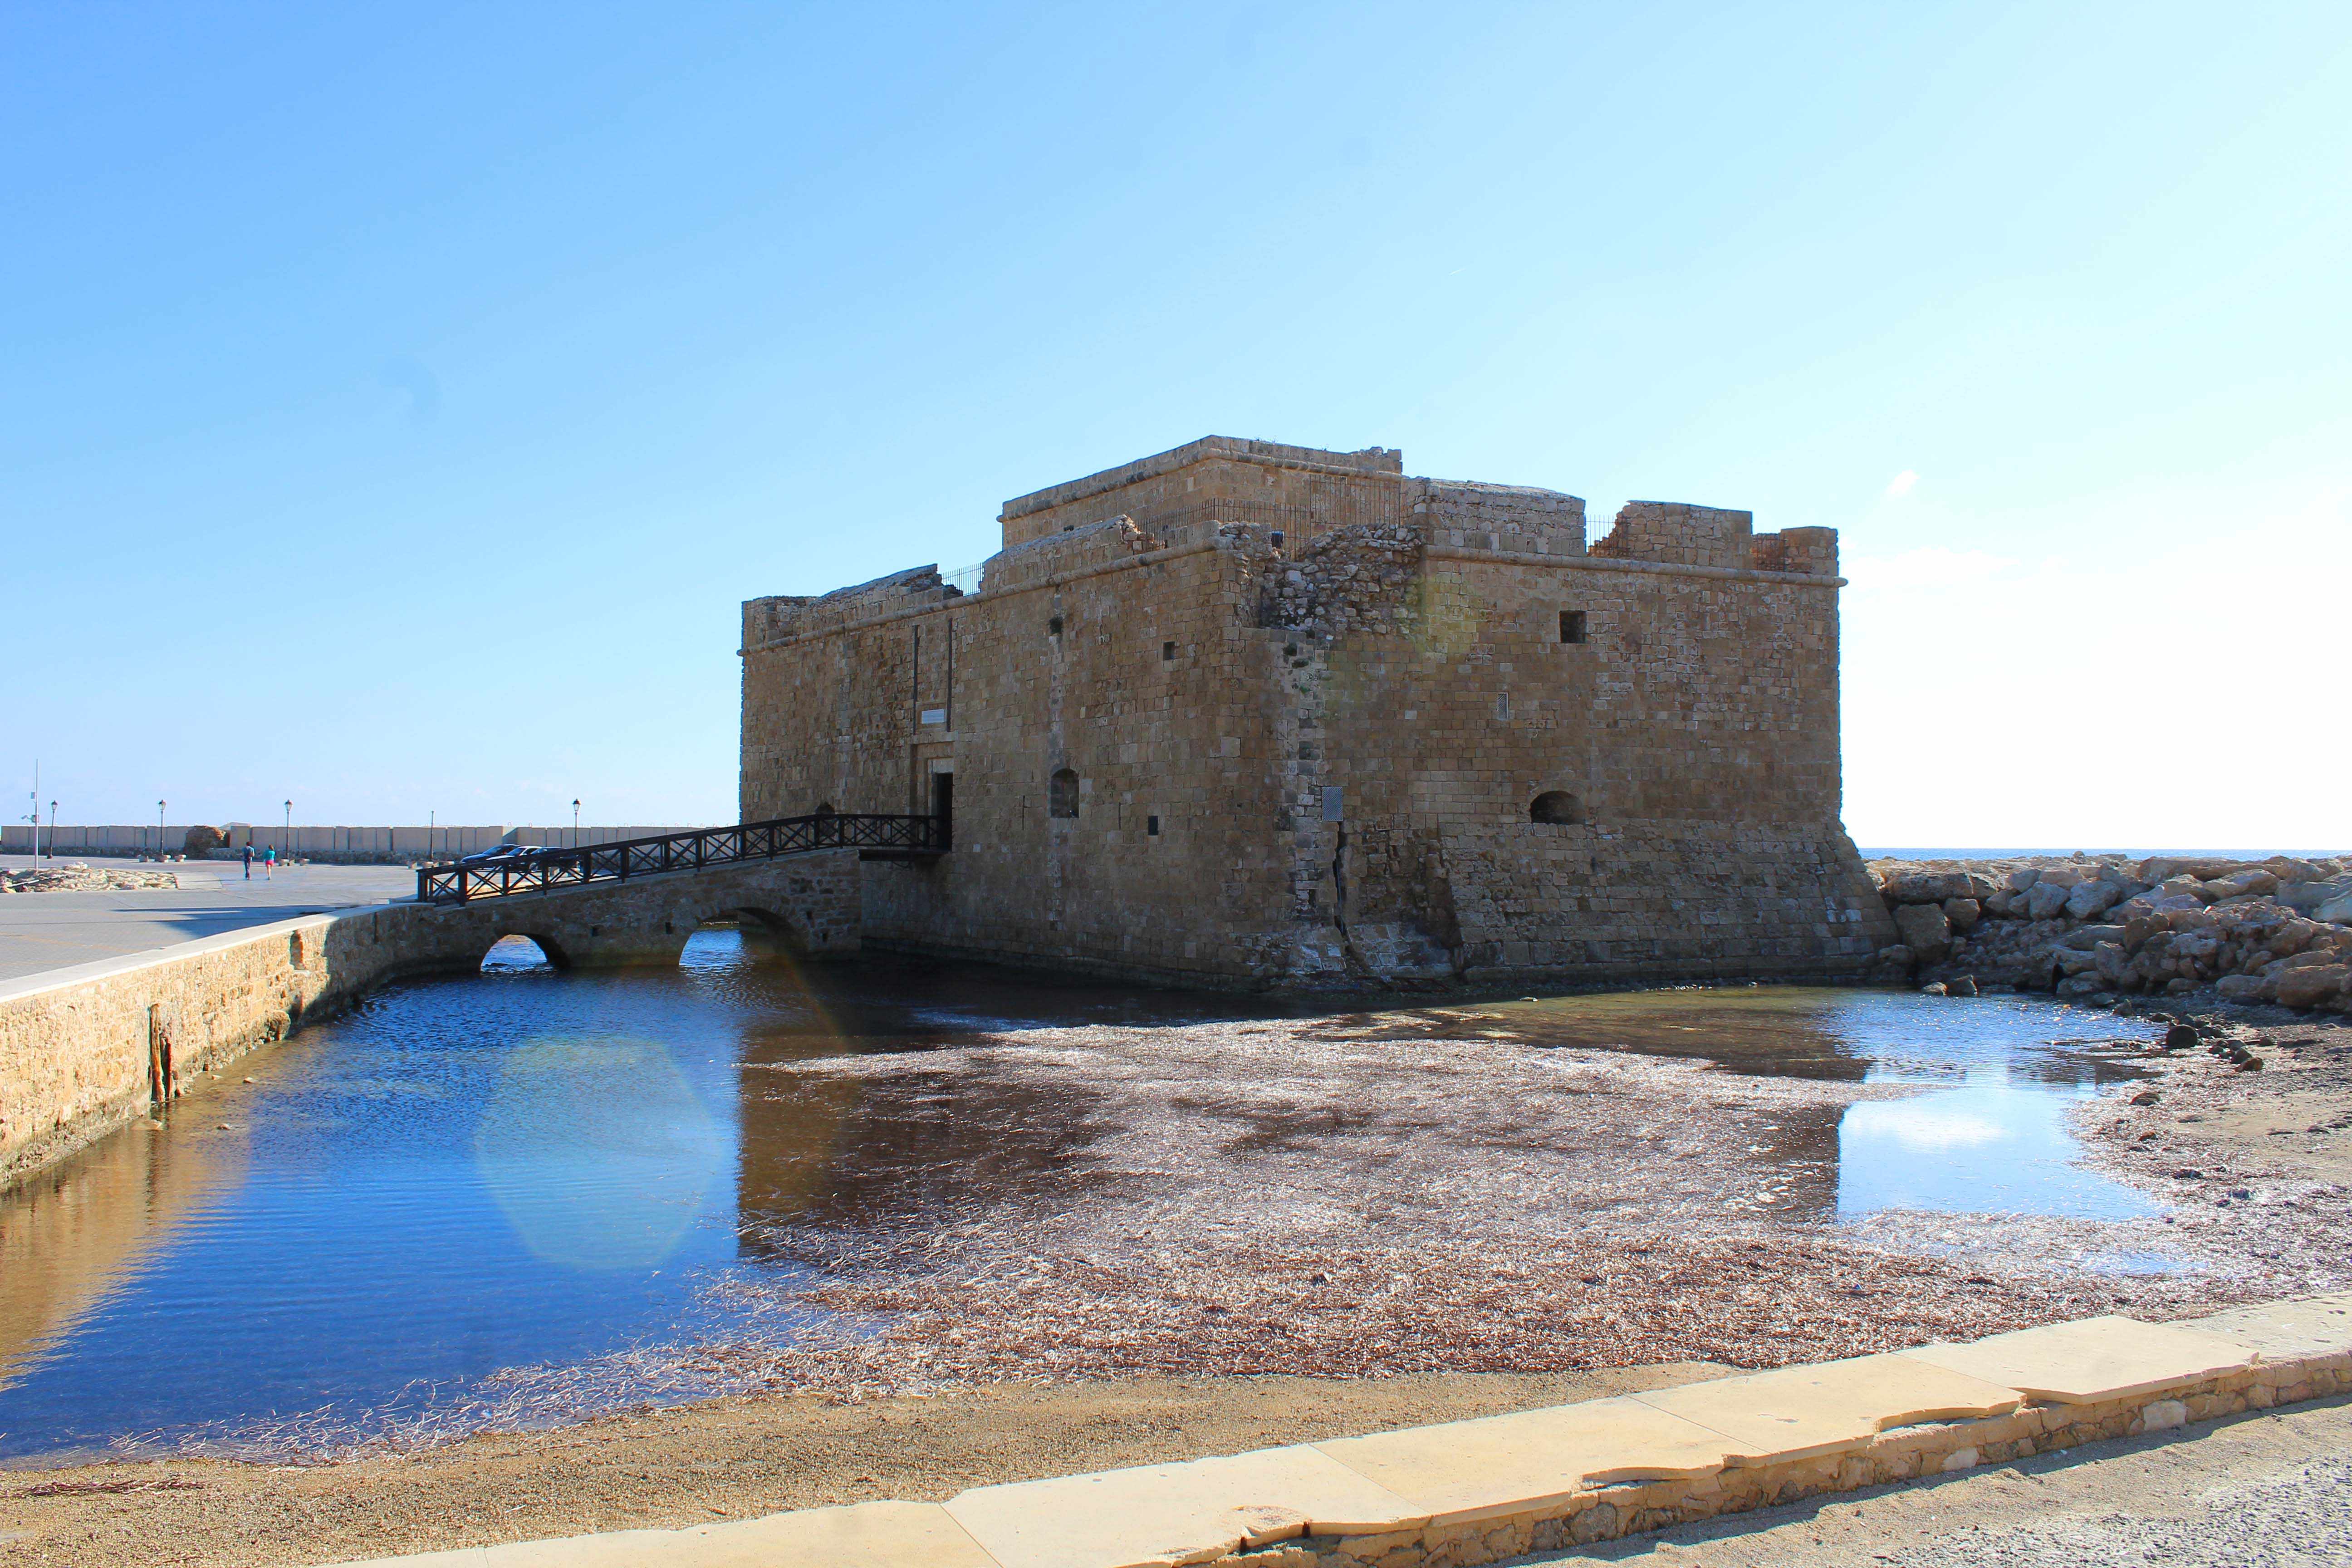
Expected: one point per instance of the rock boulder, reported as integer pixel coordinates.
(1927, 930)
(2311, 985)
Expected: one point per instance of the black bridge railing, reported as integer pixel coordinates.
(539, 870)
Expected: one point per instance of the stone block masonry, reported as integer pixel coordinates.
(84, 1050)
(1257, 715)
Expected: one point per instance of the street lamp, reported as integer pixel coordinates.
(53, 828)
(286, 844)
(159, 830)
(575, 824)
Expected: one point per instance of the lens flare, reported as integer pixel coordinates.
(597, 1151)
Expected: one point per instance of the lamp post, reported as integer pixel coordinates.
(286, 844)
(575, 824)
(53, 828)
(159, 831)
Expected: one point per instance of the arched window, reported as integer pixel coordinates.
(1556, 805)
(1062, 792)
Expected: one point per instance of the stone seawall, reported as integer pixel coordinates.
(2275, 931)
(86, 1049)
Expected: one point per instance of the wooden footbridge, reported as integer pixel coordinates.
(876, 836)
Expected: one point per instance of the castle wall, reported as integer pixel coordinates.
(1696, 727)
(1180, 496)
(1414, 663)
(1152, 692)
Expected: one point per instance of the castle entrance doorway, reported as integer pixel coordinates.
(944, 802)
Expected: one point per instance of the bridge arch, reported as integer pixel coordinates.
(539, 934)
(808, 898)
(514, 950)
(769, 920)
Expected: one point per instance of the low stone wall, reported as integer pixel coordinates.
(86, 1049)
(1485, 1491)
(2276, 930)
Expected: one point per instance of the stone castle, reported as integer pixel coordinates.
(1249, 714)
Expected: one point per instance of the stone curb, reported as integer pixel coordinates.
(107, 968)
(1482, 1491)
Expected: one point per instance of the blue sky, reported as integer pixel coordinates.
(399, 402)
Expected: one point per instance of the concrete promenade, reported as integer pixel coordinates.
(40, 931)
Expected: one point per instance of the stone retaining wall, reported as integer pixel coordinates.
(86, 1049)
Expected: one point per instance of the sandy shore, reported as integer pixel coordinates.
(723, 1458)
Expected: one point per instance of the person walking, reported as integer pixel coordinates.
(248, 862)
(270, 864)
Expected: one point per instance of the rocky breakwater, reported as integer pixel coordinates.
(2104, 929)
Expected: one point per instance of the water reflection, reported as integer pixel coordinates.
(533, 1169)
(1988, 1136)
(1997, 1145)
(81, 1229)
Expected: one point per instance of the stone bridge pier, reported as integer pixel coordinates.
(807, 902)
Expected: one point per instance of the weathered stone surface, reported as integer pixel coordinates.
(1925, 930)
(2280, 1330)
(1963, 913)
(1804, 1412)
(2311, 985)
(2090, 1360)
(1316, 763)
(1469, 1469)
(75, 1043)
(1177, 1513)
(2171, 940)
(2046, 900)
(1913, 885)
(2088, 899)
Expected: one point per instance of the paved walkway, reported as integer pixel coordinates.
(55, 930)
(2250, 1491)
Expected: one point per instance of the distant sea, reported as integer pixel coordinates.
(1947, 852)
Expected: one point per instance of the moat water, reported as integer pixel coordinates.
(384, 1219)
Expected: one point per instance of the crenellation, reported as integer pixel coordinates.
(1679, 534)
(1514, 519)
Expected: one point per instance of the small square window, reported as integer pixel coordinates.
(1166, 650)
(1151, 825)
(1571, 625)
(1054, 626)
